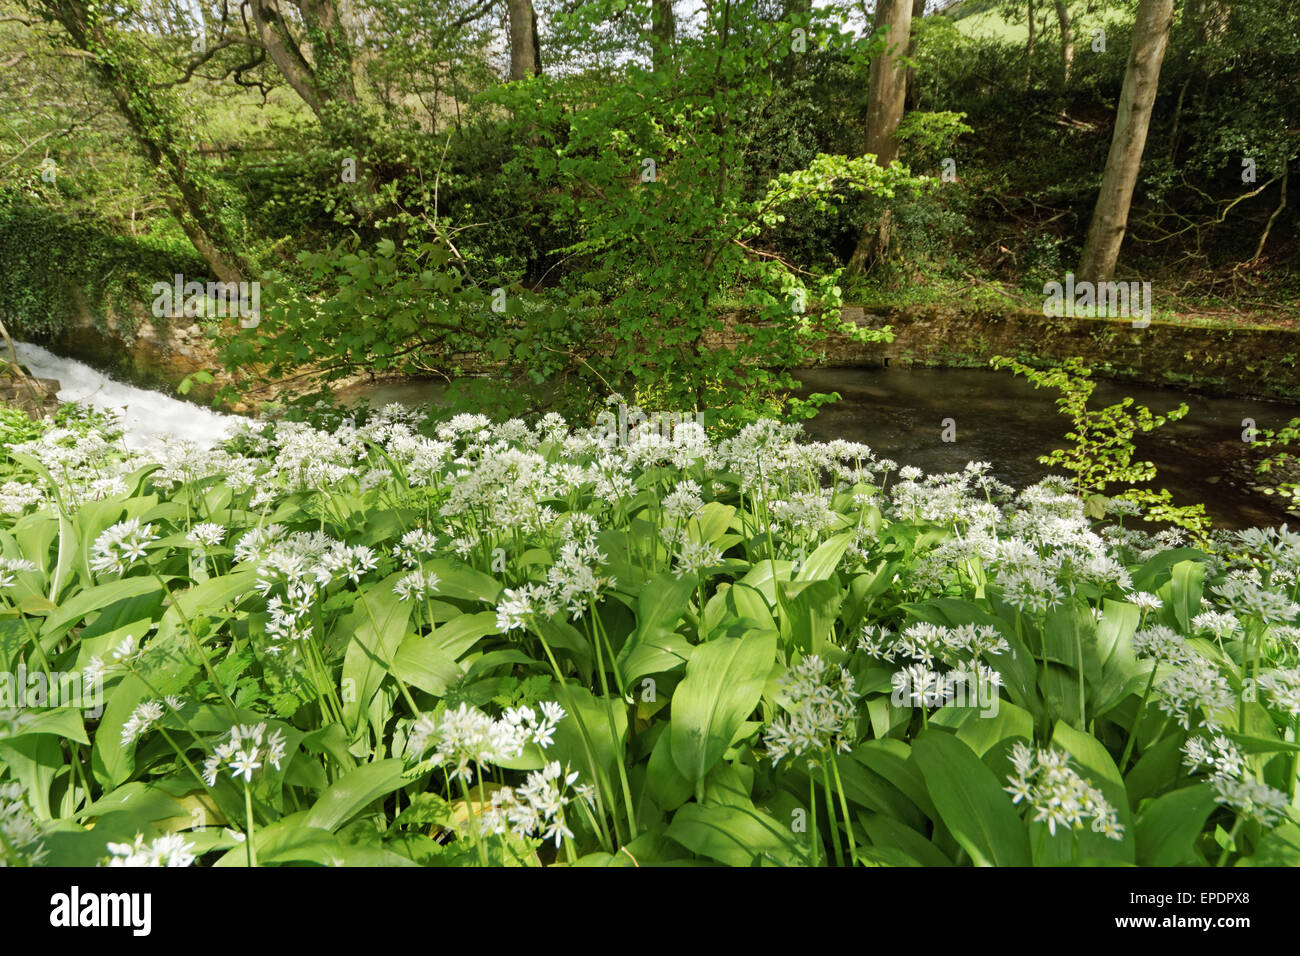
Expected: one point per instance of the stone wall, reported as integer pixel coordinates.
(35, 396)
(1254, 362)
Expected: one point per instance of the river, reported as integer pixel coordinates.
(936, 419)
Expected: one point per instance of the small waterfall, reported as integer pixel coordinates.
(147, 416)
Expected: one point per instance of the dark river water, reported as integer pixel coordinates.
(1005, 421)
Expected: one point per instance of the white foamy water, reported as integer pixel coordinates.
(147, 416)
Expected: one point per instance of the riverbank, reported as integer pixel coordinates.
(1254, 361)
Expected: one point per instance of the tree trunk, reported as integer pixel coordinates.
(1029, 48)
(886, 98)
(1067, 39)
(663, 32)
(156, 119)
(525, 53)
(888, 91)
(909, 99)
(1141, 77)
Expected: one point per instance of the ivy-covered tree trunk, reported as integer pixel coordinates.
(886, 100)
(156, 118)
(525, 49)
(1029, 47)
(918, 11)
(663, 30)
(325, 82)
(1067, 39)
(1141, 76)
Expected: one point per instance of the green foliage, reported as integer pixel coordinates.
(1103, 449)
(55, 266)
(752, 667)
(650, 173)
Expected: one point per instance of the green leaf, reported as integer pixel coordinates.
(723, 683)
(821, 564)
(1168, 826)
(378, 626)
(93, 599)
(1096, 765)
(971, 801)
(458, 580)
(735, 835)
(353, 792)
(1184, 592)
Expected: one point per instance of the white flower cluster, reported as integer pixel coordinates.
(1218, 755)
(205, 536)
(1044, 779)
(9, 567)
(1282, 688)
(301, 564)
(245, 750)
(466, 735)
(171, 849)
(1257, 801)
(537, 807)
(572, 583)
(820, 704)
(1195, 689)
(962, 649)
(23, 837)
(121, 545)
(1162, 645)
(1248, 598)
(146, 714)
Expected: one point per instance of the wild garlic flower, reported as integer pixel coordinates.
(1044, 779)
(517, 606)
(535, 809)
(121, 545)
(417, 586)
(17, 496)
(1032, 591)
(146, 714)
(1163, 645)
(1195, 689)
(692, 558)
(466, 735)
(1144, 600)
(682, 503)
(23, 843)
(9, 567)
(171, 849)
(820, 711)
(1219, 623)
(878, 641)
(245, 750)
(1101, 570)
(918, 686)
(348, 561)
(206, 535)
(1252, 799)
(1219, 755)
(415, 546)
(1250, 599)
(574, 580)
(930, 643)
(127, 651)
(1282, 688)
